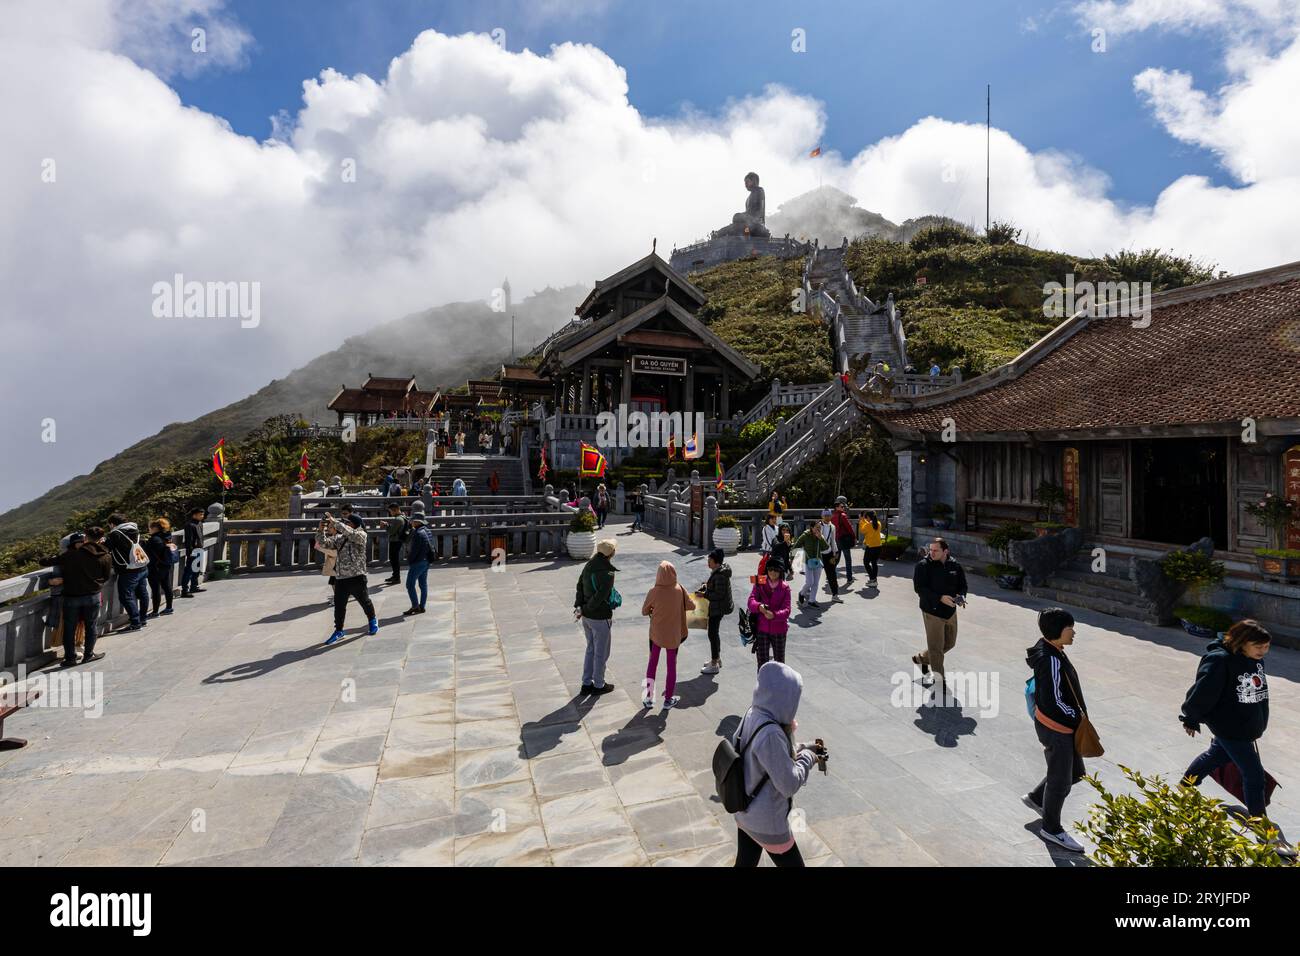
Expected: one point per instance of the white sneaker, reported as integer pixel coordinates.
(647, 702)
(927, 680)
(1028, 800)
(710, 668)
(1063, 840)
(670, 702)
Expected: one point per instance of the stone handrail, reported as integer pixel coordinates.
(896, 330)
(787, 431)
(779, 396)
(807, 446)
(27, 626)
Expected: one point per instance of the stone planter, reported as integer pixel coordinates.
(1011, 582)
(941, 523)
(581, 544)
(728, 539)
(1278, 569)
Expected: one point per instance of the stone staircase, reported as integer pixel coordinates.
(1111, 592)
(475, 470)
(859, 327)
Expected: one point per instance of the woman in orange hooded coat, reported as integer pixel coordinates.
(666, 606)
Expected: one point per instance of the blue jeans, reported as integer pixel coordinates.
(846, 549)
(133, 592)
(1245, 754)
(593, 665)
(85, 608)
(418, 573)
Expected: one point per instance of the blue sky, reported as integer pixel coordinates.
(877, 67)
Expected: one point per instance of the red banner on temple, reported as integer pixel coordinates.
(1070, 484)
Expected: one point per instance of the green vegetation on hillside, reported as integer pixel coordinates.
(749, 308)
(982, 303)
(263, 467)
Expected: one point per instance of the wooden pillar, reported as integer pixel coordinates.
(726, 393)
(626, 384)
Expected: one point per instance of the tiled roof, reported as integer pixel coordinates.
(381, 384)
(1213, 353)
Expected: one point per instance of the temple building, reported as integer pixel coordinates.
(1161, 430)
(636, 342)
(381, 398)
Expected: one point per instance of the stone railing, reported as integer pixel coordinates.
(27, 621)
(781, 396)
(896, 330)
(803, 448)
(786, 432)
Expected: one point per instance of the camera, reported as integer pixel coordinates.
(822, 755)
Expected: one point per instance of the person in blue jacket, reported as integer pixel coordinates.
(419, 553)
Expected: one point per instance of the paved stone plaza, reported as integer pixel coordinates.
(229, 735)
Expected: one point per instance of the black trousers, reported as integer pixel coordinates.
(749, 852)
(160, 586)
(395, 557)
(830, 563)
(1064, 769)
(871, 560)
(715, 641)
(351, 587)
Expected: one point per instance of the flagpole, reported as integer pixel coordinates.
(988, 149)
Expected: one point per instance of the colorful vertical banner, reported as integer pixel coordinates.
(219, 464)
(1291, 489)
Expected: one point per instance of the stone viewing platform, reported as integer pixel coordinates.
(708, 253)
(230, 736)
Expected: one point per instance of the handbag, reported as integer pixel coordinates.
(1086, 741)
(698, 619)
(1229, 778)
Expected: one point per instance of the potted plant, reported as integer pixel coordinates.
(1008, 575)
(726, 534)
(1195, 571)
(1051, 496)
(1203, 622)
(1275, 513)
(581, 539)
(893, 547)
(941, 514)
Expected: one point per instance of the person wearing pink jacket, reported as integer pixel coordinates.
(769, 603)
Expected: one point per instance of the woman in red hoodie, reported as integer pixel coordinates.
(769, 602)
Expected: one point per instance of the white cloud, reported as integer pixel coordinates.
(472, 163)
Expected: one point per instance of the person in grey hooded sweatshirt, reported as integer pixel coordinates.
(775, 768)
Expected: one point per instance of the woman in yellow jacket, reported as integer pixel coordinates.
(871, 532)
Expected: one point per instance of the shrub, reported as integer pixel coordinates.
(1274, 512)
(893, 546)
(941, 237)
(997, 570)
(1292, 553)
(1051, 496)
(755, 432)
(940, 509)
(1001, 234)
(584, 520)
(1209, 617)
(1002, 537)
(1192, 569)
(726, 521)
(1166, 825)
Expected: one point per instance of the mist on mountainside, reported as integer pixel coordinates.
(828, 215)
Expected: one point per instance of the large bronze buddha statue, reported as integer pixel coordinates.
(751, 221)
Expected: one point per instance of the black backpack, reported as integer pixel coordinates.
(729, 773)
(404, 535)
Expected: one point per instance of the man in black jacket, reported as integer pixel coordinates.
(940, 583)
(1058, 706)
(193, 553)
(85, 568)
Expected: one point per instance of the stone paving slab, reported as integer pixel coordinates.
(230, 736)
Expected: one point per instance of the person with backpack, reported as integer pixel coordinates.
(666, 605)
(845, 537)
(131, 562)
(349, 541)
(193, 544)
(814, 547)
(84, 569)
(773, 768)
(717, 591)
(769, 606)
(594, 601)
(870, 533)
(162, 555)
(776, 504)
(831, 556)
(417, 563)
(1058, 709)
(1230, 696)
(940, 584)
(600, 505)
(783, 550)
(770, 532)
(399, 532)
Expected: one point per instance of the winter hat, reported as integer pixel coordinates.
(355, 520)
(717, 555)
(607, 547)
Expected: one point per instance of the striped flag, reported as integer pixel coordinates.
(693, 448)
(303, 464)
(672, 446)
(717, 458)
(541, 472)
(219, 464)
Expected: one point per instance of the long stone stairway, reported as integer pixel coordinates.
(476, 470)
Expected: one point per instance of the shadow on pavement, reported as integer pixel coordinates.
(643, 732)
(263, 667)
(543, 735)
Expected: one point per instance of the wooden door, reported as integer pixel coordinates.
(1113, 489)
